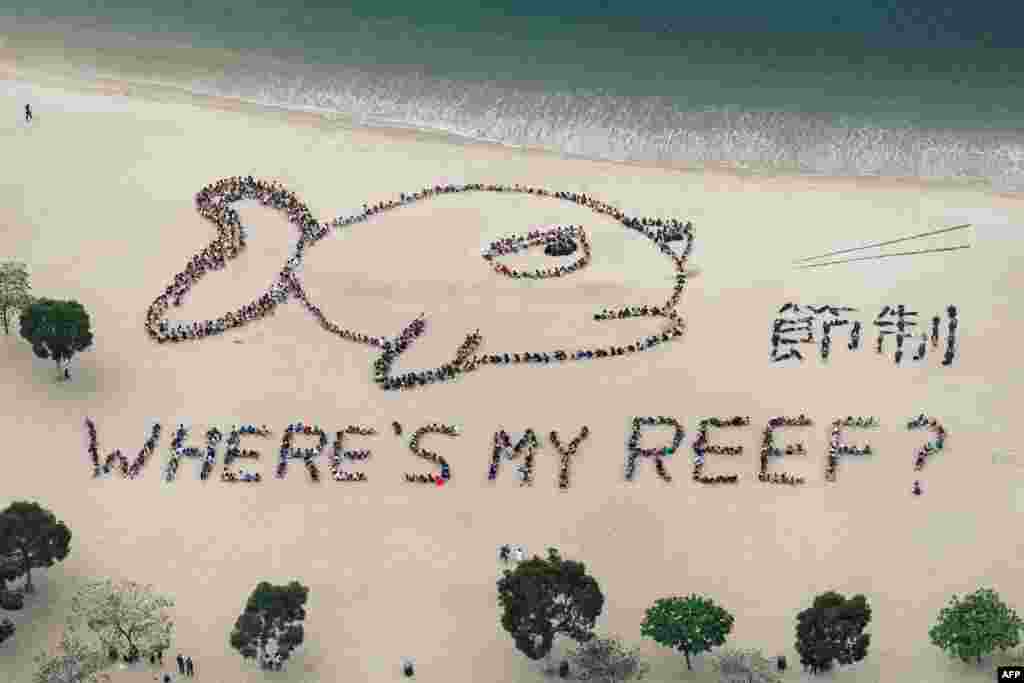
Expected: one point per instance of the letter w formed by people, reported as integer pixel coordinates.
(115, 459)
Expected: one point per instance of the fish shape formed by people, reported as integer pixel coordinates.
(214, 202)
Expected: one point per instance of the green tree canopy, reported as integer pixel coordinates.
(692, 625)
(606, 660)
(14, 291)
(270, 628)
(832, 630)
(11, 601)
(130, 619)
(6, 629)
(977, 625)
(30, 537)
(76, 661)
(56, 329)
(543, 598)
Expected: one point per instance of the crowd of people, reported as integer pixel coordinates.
(213, 438)
(214, 203)
(234, 451)
(900, 326)
(932, 446)
(340, 455)
(635, 452)
(565, 454)
(701, 447)
(782, 327)
(392, 349)
(769, 449)
(630, 312)
(235, 439)
(779, 478)
(308, 455)
(240, 476)
(503, 444)
(525, 446)
(177, 452)
(854, 342)
(561, 246)
(947, 358)
(826, 339)
(431, 456)
(116, 458)
(558, 241)
(837, 447)
(851, 421)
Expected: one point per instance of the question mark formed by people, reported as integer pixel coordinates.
(930, 447)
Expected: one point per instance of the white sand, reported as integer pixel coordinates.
(97, 198)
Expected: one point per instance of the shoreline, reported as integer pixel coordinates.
(158, 93)
(106, 82)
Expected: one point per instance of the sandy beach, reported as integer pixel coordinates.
(97, 198)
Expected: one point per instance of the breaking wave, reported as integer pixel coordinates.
(638, 129)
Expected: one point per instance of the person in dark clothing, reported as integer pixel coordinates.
(189, 667)
(28, 113)
(181, 664)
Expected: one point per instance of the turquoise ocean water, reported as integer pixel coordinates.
(902, 88)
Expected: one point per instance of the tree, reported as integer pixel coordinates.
(605, 660)
(129, 618)
(832, 630)
(692, 625)
(30, 537)
(14, 289)
(56, 329)
(11, 601)
(744, 666)
(76, 662)
(977, 625)
(543, 598)
(6, 629)
(271, 625)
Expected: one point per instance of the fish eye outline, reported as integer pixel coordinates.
(557, 235)
(214, 202)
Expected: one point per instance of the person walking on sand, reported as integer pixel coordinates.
(28, 113)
